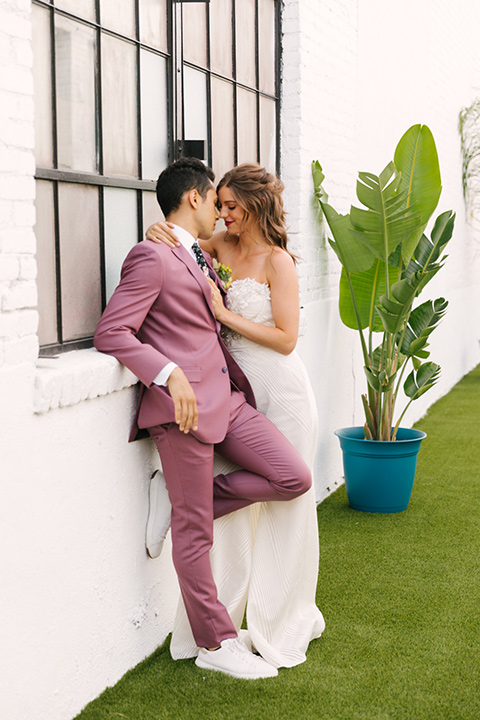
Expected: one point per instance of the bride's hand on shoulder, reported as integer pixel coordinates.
(162, 232)
(217, 300)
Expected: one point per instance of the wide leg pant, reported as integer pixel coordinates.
(271, 470)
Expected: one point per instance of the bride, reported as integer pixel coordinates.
(265, 556)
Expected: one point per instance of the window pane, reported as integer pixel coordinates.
(221, 36)
(245, 42)
(266, 49)
(119, 107)
(46, 278)
(154, 114)
(151, 210)
(195, 33)
(75, 68)
(79, 259)
(42, 86)
(118, 16)
(195, 106)
(153, 23)
(120, 213)
(222, 126)
(267, 134)
(247, 126)
(84, 9)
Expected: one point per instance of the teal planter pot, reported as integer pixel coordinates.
(379, 474)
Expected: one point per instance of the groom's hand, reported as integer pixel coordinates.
(186, 413)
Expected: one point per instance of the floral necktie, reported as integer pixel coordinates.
(200, 258)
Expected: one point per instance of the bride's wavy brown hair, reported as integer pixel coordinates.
(259, 193)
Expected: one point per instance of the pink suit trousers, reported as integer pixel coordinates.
(271, 470)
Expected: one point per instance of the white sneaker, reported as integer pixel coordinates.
(159, 511)
(233, 658)
(244, 637)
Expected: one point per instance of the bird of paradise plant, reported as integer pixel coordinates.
(386, 262)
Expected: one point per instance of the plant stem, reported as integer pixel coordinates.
(397, 425)
(395, 393)
(366, 357)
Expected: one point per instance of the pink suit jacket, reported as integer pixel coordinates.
(160, 312)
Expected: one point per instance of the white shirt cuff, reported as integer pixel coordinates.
(165, 373)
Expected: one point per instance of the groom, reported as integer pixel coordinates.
(194, 399)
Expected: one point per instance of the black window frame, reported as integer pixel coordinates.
(177, 145)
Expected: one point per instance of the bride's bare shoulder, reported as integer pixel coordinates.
(281, 260)
(213, 244)
(280, 269)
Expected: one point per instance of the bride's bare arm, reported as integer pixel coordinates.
(283, 283)
(163, 231)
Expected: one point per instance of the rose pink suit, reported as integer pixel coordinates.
(161, 312)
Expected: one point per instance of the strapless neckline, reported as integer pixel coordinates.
(251, 280)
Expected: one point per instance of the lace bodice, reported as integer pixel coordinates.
(250, 299)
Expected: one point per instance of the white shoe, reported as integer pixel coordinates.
(233, 658)
(159, 511)
(244, 637)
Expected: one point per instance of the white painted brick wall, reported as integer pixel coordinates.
(348, 95)
(63, 432)
(18, 293)
(318, 122)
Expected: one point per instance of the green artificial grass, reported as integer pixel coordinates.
(400, 595)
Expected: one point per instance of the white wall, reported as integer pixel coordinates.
(369, 70)
(429, 69)
(80, 601)
(319, 122)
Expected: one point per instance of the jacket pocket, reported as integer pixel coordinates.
(192, 373)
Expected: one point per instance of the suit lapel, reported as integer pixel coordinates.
(190, 263)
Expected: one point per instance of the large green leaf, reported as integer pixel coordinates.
(368, 286)
(318, 178)
(422, 267)
(424, 263)
(416, 159)
(353, 255)
(417, 383)
(421, 324)
(441, 234)
(386, 222)
(394, 310)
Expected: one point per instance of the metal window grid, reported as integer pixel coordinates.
(175, 114)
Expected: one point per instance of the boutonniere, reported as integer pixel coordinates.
(224, 274)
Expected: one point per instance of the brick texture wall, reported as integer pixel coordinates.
(18, 293)
(318, 122)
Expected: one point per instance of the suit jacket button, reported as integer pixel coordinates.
(224, 369)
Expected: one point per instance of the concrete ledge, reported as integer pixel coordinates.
(75, 376)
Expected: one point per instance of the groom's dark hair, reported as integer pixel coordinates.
(180, 177)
